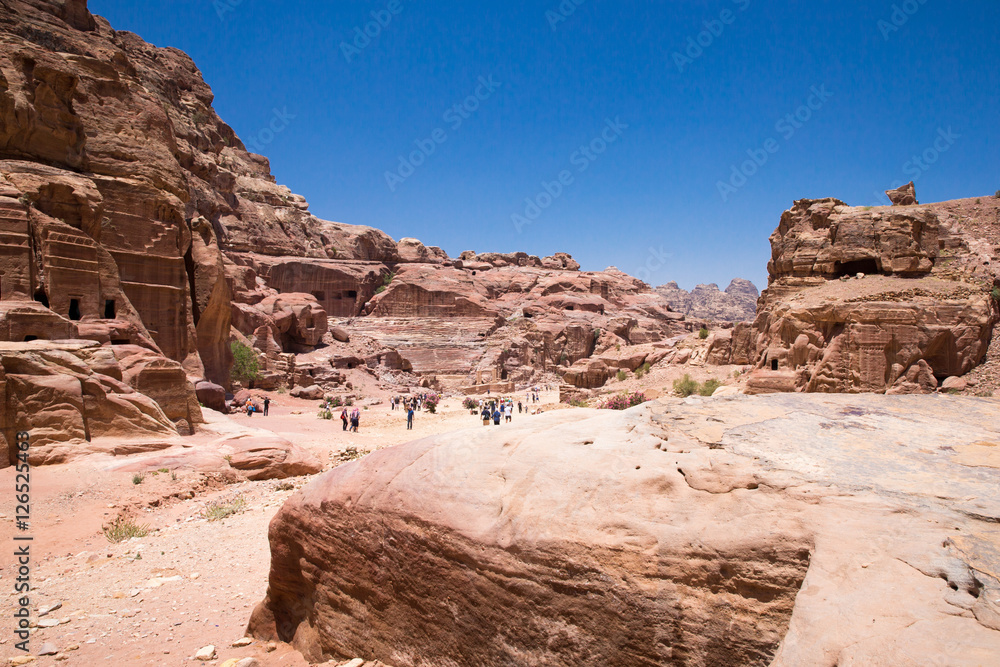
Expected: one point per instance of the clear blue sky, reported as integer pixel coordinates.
(892, 90)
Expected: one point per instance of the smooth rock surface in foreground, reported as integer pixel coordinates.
(748, 530)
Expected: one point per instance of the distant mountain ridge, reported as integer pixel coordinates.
(738, 303)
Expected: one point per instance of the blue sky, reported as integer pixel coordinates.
(667, 99)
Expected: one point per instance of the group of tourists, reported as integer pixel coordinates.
(250, 407)
(498, 410)
(352, 421)
(407, 402)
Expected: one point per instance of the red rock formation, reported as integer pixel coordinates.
(905, 195)
(871, 299)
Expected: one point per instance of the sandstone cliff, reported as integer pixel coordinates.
(887, 299)
(131, 214)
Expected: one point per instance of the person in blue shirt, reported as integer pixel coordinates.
(409, 419)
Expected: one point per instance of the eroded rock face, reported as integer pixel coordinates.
(69, 394)
(861, 299)
(655, 536)
(587, 374)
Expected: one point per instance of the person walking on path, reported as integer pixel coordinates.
(343, 417)
(355, 419)
(496, 417)
(409, 419)
(267, 404)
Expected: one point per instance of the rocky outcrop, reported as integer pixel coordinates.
(905, 195)
(871, 299)
(73, 396)
(654, 536)
(705, 302)
(587, 374)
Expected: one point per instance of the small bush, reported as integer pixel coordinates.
(995, 294)
(432, 401)
(624, 401)
(217, 511)
(164, 470)
(642, 370)
(137, 478)
(685, 386)
(621, 375)
(709, 387)
(979, 201)
(124, 528)
(470, 404)
(577, 403)
(997, 195)
(703, 333)
(386, 280)
(563, 358)
(284, 486)
(246, 367)
(325, 413)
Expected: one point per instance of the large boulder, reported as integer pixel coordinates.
(687, 532)
(904, 195)
(212, 396)
(70, 397)
(587, 374)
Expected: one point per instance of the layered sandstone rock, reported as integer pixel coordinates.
(871, 299)
(680, 533)
(74, 398)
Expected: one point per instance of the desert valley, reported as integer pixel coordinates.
(807, 475)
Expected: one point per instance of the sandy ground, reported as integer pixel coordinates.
(190, 582)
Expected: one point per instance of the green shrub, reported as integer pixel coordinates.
(995, 294)
(325, 413)
(685, 386)
(563, 358)
(246, 367)
(621, 375)
(432, 401)
(997, 195)
(386, 280)
(709, 387)
(642, 370)
(123, 528)
(577, 403)
(137, 478)
(703, 333)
